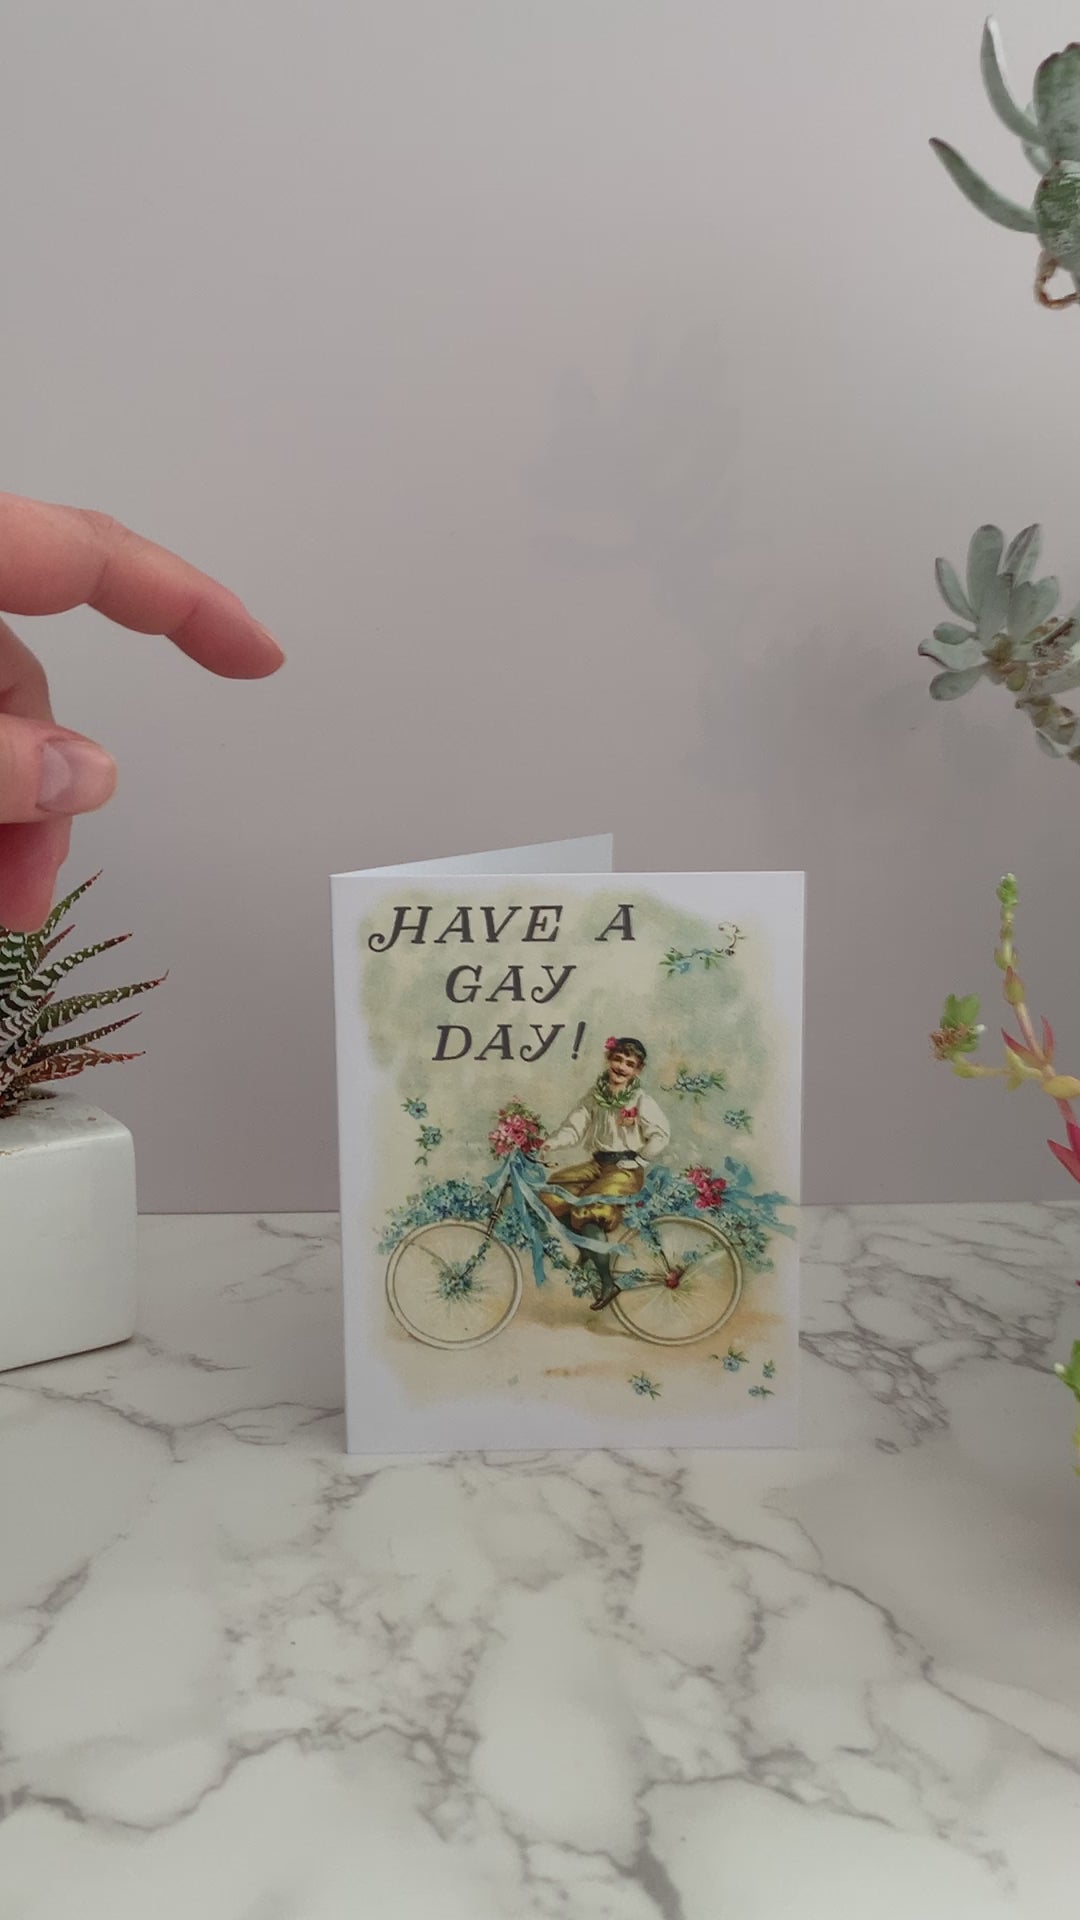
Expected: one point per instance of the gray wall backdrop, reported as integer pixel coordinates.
(582, 389)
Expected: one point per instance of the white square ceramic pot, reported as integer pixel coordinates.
(67, 1231)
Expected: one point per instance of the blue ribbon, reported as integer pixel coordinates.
(527, 1180)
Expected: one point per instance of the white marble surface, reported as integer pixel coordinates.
(244, 1679)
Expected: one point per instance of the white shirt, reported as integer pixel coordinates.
(600, 1128)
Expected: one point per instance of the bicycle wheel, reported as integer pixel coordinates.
(682, 1279)
(450, 1285)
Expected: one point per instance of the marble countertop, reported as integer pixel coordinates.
(245, 1679)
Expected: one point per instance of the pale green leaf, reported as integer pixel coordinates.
(949, 686)
(1007, 213)
(951, 591)
(984, 558)
(1045, 593)
(1057, 104)
(1008, 110)
(951, 655)
(993, 609)
(1022, 555)
(1030, 603)
(1038, 158)
(1021, 609)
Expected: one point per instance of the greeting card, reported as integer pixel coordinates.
(569, 1105)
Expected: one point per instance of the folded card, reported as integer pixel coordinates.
(569, 1106)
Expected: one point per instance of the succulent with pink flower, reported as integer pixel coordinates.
(1027, 1060)
(1070, 1155)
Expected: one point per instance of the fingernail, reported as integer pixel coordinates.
(270, 640)
(75, 777)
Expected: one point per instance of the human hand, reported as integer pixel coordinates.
(53, 558)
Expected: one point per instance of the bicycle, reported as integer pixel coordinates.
(454, 1284)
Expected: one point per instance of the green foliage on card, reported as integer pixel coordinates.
(690, 1085)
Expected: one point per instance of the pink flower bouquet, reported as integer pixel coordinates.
(710, 1187)
(517, 1130)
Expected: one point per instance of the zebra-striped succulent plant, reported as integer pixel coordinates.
(1049, 132)
(1011, 636)
(31, 1015)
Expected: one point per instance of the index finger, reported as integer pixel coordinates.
(53, 558)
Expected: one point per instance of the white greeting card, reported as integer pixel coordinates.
(569, 1109)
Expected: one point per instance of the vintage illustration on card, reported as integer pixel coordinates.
(581, 1156)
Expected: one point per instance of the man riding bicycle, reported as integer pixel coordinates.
(622, 1129)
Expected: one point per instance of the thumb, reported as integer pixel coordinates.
(45, 770)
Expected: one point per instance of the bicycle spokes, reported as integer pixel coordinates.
(457, 1277)
(450, 1285)
(679, 1280)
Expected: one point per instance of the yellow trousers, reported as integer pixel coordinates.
(587, 1215)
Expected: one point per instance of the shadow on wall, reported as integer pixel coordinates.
(798, 732)
(643, 480)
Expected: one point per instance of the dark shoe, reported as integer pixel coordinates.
(611, 1292)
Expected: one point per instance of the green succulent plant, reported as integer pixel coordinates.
(1049, 132)
(1010, 636)
(1070, 1374)
(30, 1013)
